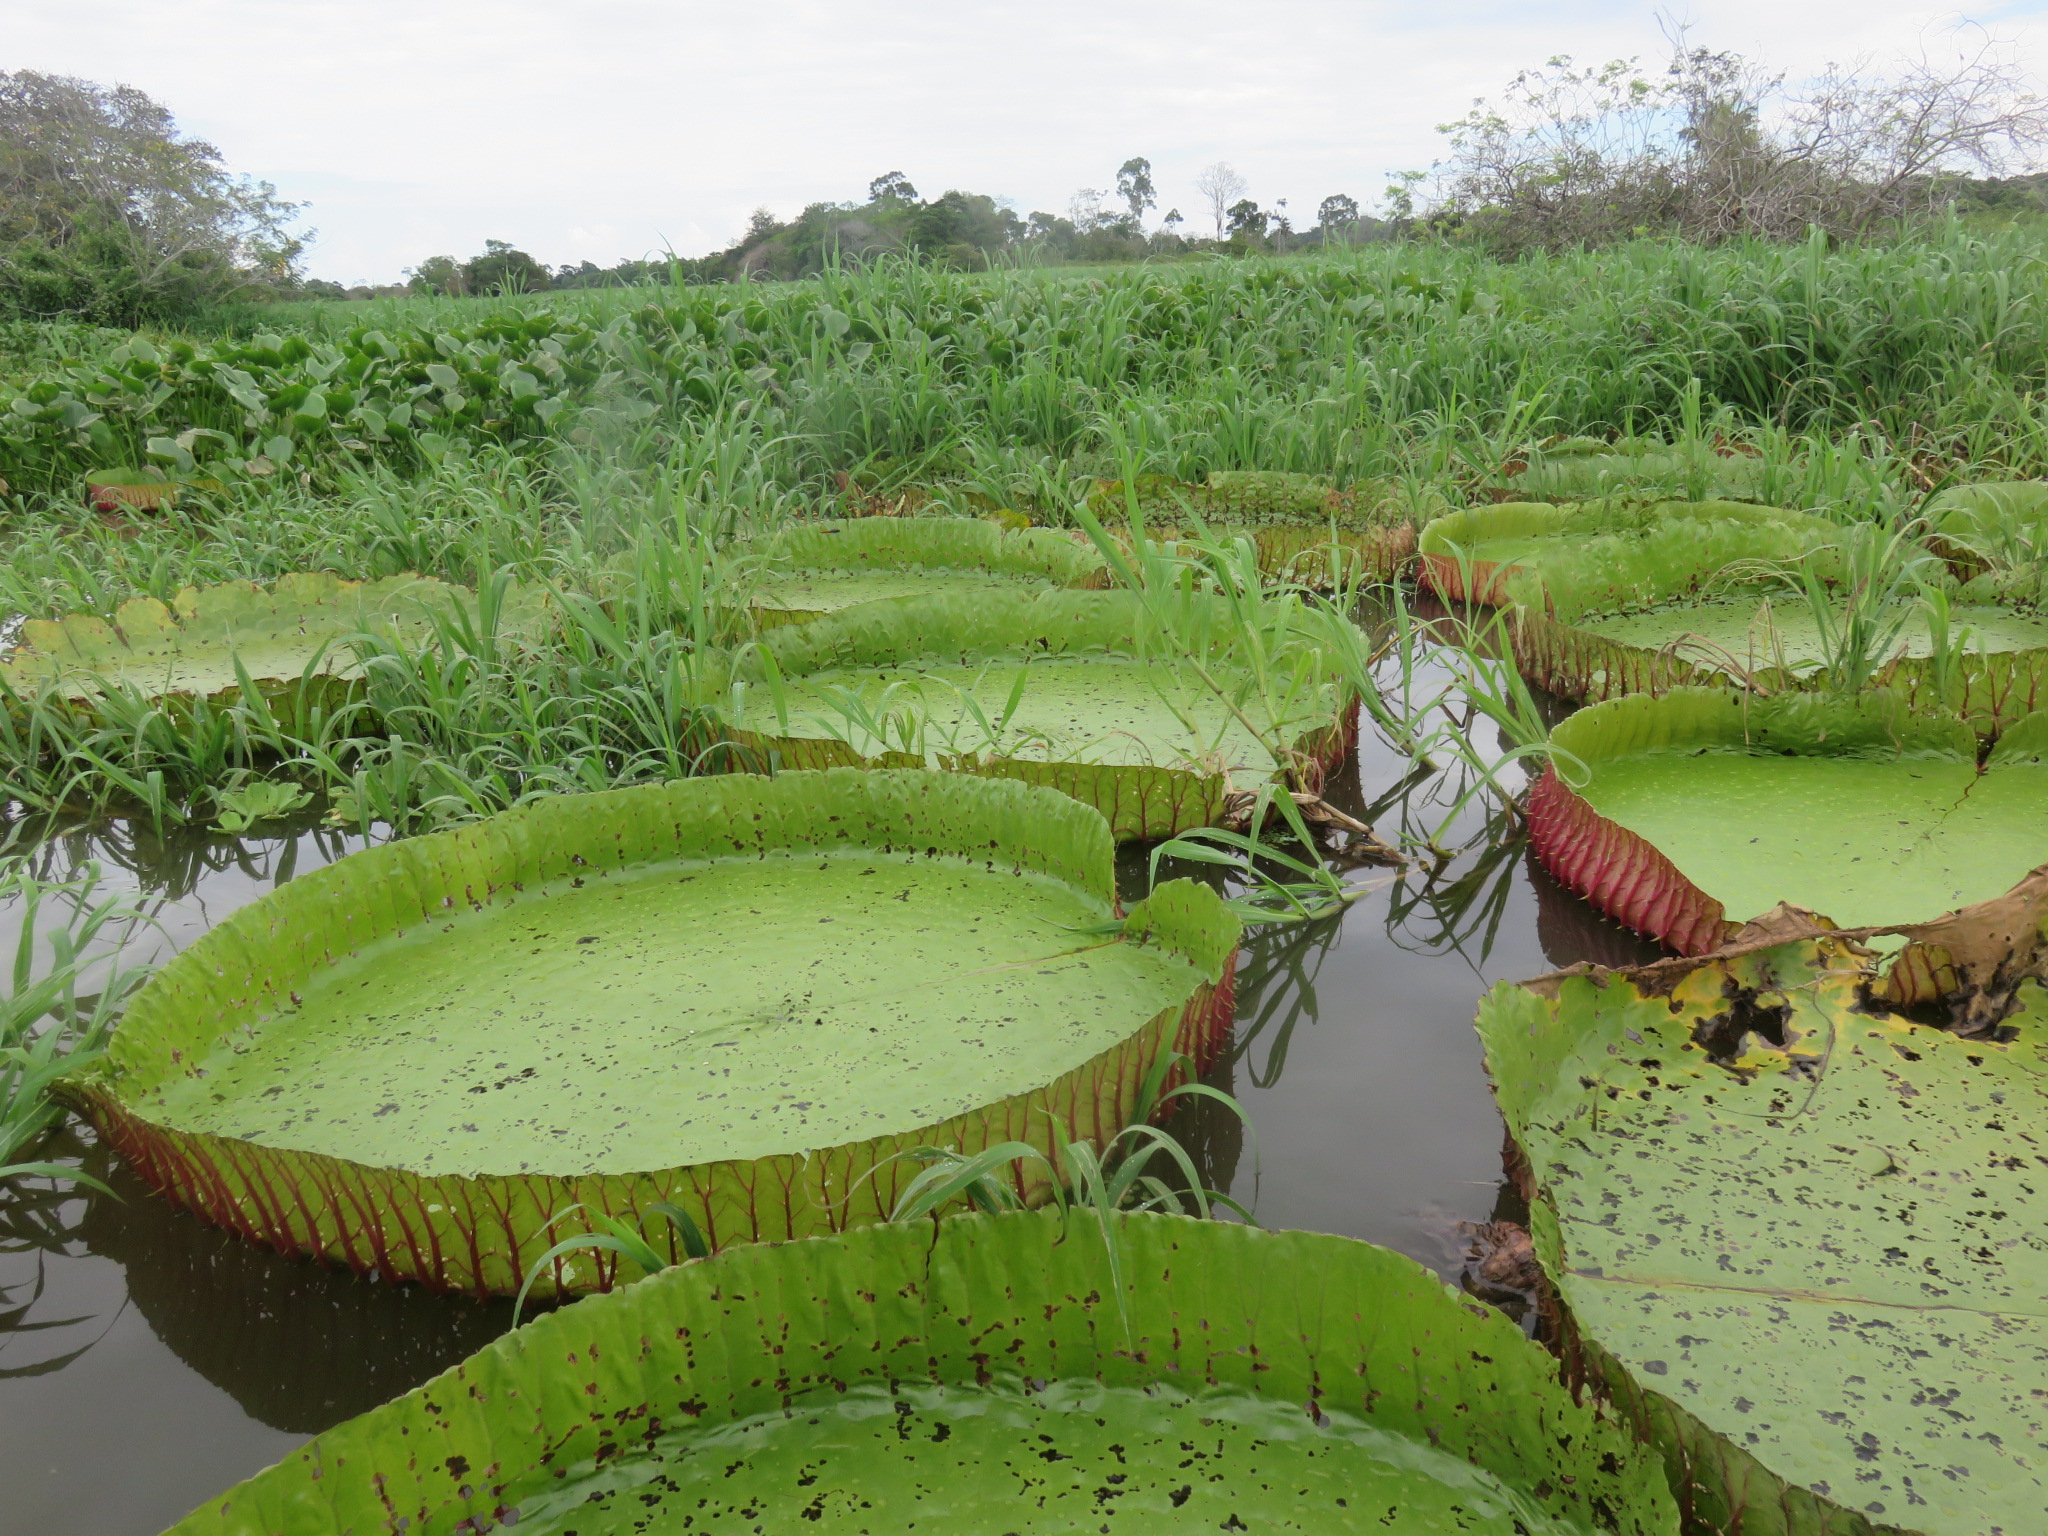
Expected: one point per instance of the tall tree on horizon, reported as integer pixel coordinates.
(1134, 186)
(1221, 186)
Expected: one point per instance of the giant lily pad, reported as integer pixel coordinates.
(820, 568)
(1617, 547)
(1580, 469)
(989, 1376)
(1679, 813)
(1079, 690)
(737, 994)
(1790, 1227)
(2000, 525)
(1304, 528)
(1750, 631)
(288, 640)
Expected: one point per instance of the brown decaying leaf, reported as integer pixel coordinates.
(1969, 963)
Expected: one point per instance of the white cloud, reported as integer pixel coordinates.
(604, 128)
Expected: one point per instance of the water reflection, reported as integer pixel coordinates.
(189, 878)
(298, 1345)
(39, 1223)
(1571, 930)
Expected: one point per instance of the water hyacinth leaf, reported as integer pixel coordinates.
(1618, 545)
(1787, 1225)
(735, 995)
(1685, 814)
(1083, 691)
(977, 1376)
(819, 568)
(201, 643)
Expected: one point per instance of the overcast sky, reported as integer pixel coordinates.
(596, 129)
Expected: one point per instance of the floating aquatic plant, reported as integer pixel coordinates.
(1303, 528)
(1779, 1191)
(1152, 714)
(1875, 609)
(1618, 546)
(735, 995)
(1684, 815)
(292, 642)
(817, 568)
(994, 1372)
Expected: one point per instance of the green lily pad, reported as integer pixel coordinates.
(1582, 469)
(1072, 689)
(1775, 643)
(1992, 526)
(988, 1375)
(1758, 633)
(1790, 1231)
(1678, 813)
(821, 568)
(737, 994)
(1304, 529)
(200, 644)
(1605, 553)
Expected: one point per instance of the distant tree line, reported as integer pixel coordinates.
(966, 230)
(110, 214)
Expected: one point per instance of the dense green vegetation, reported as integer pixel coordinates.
(1390, 360)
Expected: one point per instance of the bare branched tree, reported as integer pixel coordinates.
(1221, 186)
(1085, 210)
(1717, 147)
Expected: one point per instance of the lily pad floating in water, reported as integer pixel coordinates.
(820, 568)
(1583, 468)
(1589, 646)
(736, 994)
(988, 1376)
(1617, 547)
(1791, 1228)
(1995, 526)
(1295, 521)
(290, 639)
(1077, 690)
(1683, 815)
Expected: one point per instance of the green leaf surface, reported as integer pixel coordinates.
(1151, 721)
(1758, 634)
(1996, 521)
(1645, 466)
(1247, 499)
(1855, 808)
(683, 1012)
(734, 993)
(1794, 1231)
(978, 1377)
(1601, 554)
(825, 567)
(1110, 710)
(193, 645)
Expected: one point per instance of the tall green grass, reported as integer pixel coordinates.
(62, 993)
(1389, 360)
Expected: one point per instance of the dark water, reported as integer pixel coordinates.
(148, 1361)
